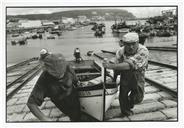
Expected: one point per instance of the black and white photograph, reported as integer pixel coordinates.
(75, 64)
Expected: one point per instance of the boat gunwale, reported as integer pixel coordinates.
(97, 87)
(96, 95)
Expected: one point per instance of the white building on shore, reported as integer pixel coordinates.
(67, 20)
(30, 23)
(81, 19)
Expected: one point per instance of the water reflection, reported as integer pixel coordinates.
(118, 35)
(161, 41)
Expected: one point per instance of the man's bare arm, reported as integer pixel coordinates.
(36, 112)
(119, 66)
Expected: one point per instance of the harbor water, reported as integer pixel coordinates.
(82, 37)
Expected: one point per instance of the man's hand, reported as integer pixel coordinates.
(106, 64)
(36, 111)
(47, 119)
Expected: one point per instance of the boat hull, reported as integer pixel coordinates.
(92, 101)
(91, 89)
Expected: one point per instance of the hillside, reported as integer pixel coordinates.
(109, 14)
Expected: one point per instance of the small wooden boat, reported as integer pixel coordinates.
(72, 28)
(20, 40)
(121, 30)
(93, 100)
(99, 34)
(59, 33)
(50, 37)
(34, 36)
(121, 27)
(13, 42)
(15, 35)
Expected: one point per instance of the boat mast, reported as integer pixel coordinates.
(104, 91)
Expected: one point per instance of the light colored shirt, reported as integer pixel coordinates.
(138, 61)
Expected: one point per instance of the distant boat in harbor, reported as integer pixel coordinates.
(121, 30)
(51, 37)
(59, 33)
(21, 40)
(99, 29)
(15, 35)
(71, 28)
(121, 27)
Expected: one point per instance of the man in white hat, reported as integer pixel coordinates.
(132, 61)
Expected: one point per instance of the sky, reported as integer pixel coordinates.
(139, 12)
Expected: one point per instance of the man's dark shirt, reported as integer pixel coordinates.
(57, 90)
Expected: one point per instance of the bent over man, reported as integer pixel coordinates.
(55, 82)
(132, 61)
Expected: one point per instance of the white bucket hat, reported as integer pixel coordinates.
(43, 52)
(131, 37)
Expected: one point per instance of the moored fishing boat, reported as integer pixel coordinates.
(57, 32)
(21, 40)
(51, 36)
(93, 100)
(121, 30)
(121, 27)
